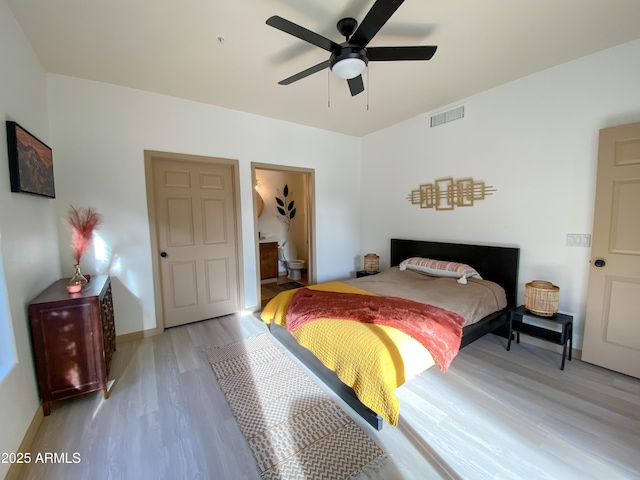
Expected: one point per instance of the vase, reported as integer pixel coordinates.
(78, 278)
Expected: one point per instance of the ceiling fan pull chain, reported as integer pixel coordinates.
(328, 88)
(368, 88)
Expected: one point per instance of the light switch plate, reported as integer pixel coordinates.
(578, 240)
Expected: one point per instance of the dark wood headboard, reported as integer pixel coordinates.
(498, 264)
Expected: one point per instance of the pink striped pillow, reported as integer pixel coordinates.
(439, 268)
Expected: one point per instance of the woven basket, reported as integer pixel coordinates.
(371, 263)
(541, 298)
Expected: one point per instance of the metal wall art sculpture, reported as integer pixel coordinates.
(286, 208)
(447, 193)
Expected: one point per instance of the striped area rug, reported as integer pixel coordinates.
(293, 428)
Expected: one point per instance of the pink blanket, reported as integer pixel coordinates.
(437, 329)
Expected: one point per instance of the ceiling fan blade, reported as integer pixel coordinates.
(390, 54)
(374, 21)
(356, 85)
(302, 33)
(305, 73)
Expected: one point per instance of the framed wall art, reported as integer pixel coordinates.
(30, 163)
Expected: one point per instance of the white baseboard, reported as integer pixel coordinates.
(140, 335)
(25, 446)
(575, 353)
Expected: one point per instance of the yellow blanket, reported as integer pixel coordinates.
(374, 360)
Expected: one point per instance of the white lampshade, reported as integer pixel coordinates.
(349, 68)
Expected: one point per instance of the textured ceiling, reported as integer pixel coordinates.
(171, 47)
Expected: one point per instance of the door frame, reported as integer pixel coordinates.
(149, 157)
(310, 178)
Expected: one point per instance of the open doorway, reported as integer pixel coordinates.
(284, 212)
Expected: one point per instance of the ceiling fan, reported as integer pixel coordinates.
(349, 59)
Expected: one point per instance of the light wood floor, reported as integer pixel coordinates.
(267, 294)
(494, 414)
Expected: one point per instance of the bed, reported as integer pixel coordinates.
(395, 355)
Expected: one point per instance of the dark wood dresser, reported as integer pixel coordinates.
(73, 337)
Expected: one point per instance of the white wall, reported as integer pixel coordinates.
(28, 238)
(535, 140)
(101, 131)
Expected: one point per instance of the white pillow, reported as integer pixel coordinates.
(440, 268)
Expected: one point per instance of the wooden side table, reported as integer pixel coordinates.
(557, 329)
(364, 273)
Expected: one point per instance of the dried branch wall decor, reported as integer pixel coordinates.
(286, 208)
(447, 193)
(82, 222)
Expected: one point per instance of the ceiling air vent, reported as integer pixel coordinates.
(448, 116)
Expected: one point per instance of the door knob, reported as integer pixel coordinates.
(600, 263)
(163, 254)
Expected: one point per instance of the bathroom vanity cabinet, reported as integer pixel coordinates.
(268, 260)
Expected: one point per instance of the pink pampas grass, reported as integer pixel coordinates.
(82, 222)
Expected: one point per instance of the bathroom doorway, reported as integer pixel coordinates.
(284, 215)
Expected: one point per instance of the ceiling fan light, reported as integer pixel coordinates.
(348, 68)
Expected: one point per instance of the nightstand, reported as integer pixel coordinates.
(557, 328)
(364, 273)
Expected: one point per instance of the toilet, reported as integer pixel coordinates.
(294, 266)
